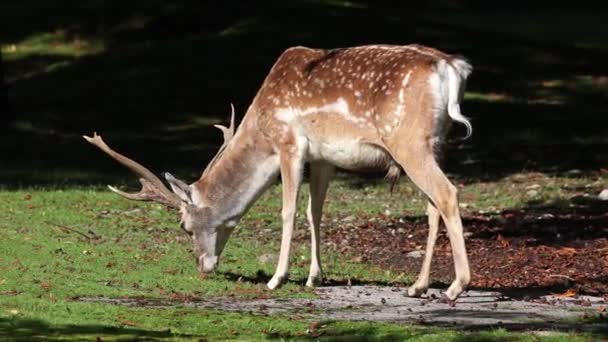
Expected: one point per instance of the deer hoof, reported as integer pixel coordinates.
(275, 282)
(415, 291)
(314, 281)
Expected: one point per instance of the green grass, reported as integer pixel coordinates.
(52, 44)
(60, 244)
(153, 77)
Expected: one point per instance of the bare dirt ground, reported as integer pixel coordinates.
(537, 250)
(474, 310)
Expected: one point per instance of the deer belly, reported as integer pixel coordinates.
(351, 155)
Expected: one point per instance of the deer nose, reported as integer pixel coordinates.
(207, 264)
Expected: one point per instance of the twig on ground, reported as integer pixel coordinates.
(65, 228)
(561, 276)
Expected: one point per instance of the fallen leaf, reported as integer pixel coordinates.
(568, 294)
(9, 293)
(128, 322)
(504, 243)
(566, 251)
(312, 328)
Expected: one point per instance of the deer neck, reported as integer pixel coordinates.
(243, 172)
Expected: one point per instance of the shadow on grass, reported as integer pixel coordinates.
(169, 71)
(557, 223)
(262, 277)
(331, 333)
(20, 329)
(540, 249)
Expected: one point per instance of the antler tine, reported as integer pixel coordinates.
(228, 134)
(228, 131)
(152, 189)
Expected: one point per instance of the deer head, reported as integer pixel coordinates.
(208, 235)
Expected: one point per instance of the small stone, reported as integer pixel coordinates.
(400, 230)
(131, 212)
(266, 258)
(349, 218)
(499, 220)
(415, 254)
(603, 195)
(533, 186)
(467, 234)
(358, 259)
(532, 193)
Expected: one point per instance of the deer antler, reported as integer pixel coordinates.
(228, 131)
(152, 189)
(228, 134)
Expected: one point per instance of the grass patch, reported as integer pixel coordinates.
(152, 77)
(58, 244)
(52, 44)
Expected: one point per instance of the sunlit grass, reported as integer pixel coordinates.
(58, 244)
(541, 26)
(52, 44)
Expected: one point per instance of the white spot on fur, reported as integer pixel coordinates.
(404, 83)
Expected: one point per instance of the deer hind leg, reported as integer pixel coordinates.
(320, 174)
(420, 165)
(422, 283)
(292, 163)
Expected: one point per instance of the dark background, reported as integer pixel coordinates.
(169, 70)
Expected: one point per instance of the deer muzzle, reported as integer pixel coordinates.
(207, 264)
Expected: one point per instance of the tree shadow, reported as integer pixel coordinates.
(538, 322)
(557, 223)
(331, 333)
(169, 71)
(262, 277)
(539, 249)
(21, 329)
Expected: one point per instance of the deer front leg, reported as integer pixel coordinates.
(292, 162)
(320, 174)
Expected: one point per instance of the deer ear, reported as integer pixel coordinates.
(180, 188)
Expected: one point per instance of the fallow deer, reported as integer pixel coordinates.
(378, 106)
